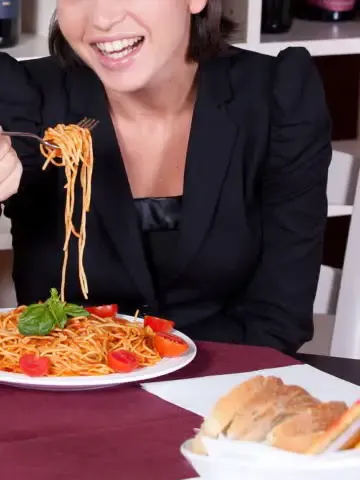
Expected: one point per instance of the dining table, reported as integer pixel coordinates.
(122, 432)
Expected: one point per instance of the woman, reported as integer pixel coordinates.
(209, 187)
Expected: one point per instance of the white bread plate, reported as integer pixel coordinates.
(219, 467)
(251, 451)
(264, 429)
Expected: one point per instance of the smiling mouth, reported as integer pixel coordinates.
(119, 48)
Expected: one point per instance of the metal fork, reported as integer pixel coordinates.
(89, 123)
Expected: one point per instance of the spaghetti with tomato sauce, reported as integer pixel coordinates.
(86, 346)
(75, 154)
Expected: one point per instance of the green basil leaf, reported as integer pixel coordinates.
(54, 295)
(54, 298)
(57, 311)
(36, 320)
(41, 319)
(62, 320)
(75, 310)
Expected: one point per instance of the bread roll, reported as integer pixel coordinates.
(300, 432)
(268, 409)
(343, 434)
(227, 406)
(236, 401)
(264, 409)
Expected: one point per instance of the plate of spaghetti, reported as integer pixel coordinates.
(59, 346)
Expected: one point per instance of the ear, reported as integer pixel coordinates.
(197, 6)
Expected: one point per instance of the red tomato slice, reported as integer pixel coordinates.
(122, 361)
(158, 324)
(103, 311)
(34, 366)
(169, 345)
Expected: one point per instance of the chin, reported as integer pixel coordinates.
(123, 84)
(124, 71)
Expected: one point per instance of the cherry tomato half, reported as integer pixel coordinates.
(122, 361)
(169, 345)
(103, 311)
(158, 324)
(34, 366)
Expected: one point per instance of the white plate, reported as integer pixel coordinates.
(164, 367)
(221, 468)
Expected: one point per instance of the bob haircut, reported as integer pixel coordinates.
(210, 31)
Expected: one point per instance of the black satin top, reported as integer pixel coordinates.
(159, 220)
(158, 214)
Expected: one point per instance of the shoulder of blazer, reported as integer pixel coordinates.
(250, 70)
(241, 79)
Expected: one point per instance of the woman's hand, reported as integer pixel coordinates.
(10, 169)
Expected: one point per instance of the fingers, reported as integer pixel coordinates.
(10, 185)
(8, 161)
(5, 145)
(10, 169)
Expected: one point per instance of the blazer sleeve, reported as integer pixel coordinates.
(278, 308)
(20, 110)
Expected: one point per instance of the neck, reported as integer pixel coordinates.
(165, 98)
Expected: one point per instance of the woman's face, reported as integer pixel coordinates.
(130, 44)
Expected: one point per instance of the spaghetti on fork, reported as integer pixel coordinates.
(74, 153)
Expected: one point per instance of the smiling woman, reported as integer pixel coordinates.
(208, 191)
(210, 30)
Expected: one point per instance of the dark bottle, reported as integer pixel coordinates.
(10, 22)
(276, 16)
(326, 10)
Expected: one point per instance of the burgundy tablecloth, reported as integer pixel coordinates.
(121, 433)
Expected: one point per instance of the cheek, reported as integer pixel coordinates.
(173, 33)
(72, 22)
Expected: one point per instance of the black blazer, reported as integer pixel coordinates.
(246, 265)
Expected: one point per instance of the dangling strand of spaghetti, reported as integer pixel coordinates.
(74, 153)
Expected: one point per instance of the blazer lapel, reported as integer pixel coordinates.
(111, 194)
(211, 143)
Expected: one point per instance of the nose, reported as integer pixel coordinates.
(107, 13)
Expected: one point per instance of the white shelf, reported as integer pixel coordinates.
(30, 46)
(320, 38)
(343, 175)
(339, 210)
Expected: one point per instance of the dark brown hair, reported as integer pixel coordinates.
(210, 31)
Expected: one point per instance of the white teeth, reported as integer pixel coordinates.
(118, 45)
(122, 54)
